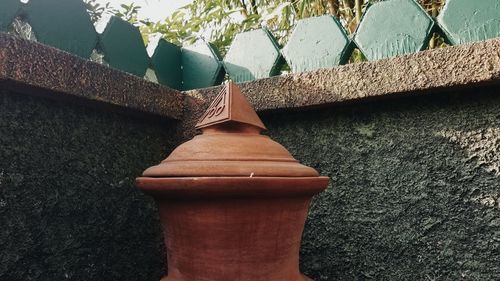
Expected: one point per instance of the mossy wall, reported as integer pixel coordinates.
(68, 207)
(415, 187)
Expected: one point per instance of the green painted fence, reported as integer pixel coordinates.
(253, 55)
(388, 28)
(406, 30)
(317, 42)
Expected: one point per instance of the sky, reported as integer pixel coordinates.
(154, 10)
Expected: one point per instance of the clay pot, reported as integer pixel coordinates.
(232, 202)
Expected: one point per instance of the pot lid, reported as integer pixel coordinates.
(231, 144)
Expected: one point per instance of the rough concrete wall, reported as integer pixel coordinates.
(415, 194)
(68, 208)
(415, 189)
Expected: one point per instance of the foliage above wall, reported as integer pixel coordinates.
(219, 21)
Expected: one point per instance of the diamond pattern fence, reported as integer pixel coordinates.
(387, 29)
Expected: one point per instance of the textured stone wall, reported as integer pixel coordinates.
(68, 207)
(415, 191)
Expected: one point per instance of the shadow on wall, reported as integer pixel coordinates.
(415, 187)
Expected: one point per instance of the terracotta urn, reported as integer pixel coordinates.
(232, 202)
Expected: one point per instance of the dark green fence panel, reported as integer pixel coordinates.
(253, 55)
(201, 66)
(123, 47)
(166, 61)
(393, 28)
(466, 21)
(8, 11)
(318, 42)
(62, 24)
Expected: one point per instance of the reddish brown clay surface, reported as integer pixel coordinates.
(234, 239)
(228, 105)
(232, 202)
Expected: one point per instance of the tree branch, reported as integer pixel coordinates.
(333, 5)
(244, 6)
(254, 7)
(359, 10)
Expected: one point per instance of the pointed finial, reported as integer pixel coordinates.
(230, 105)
